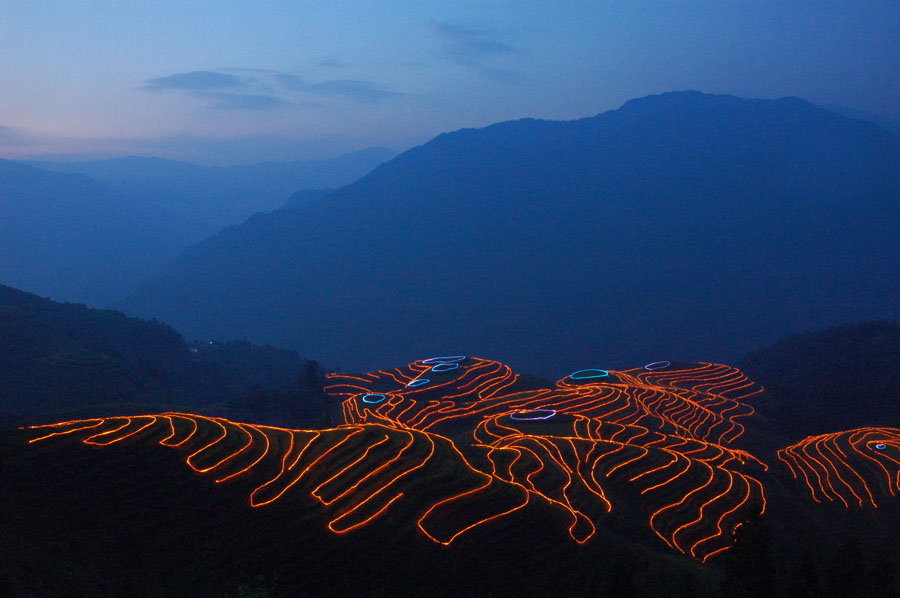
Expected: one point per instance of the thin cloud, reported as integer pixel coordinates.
(334, 64)
(293, 82)
(501, 75)
(467, 46)
(223, 91)
(261, 89)
(361, 91)
(242, 69)
(247, 101)
(196, 81)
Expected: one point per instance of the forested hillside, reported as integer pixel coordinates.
(62, 358)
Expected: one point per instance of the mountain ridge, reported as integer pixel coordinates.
(92, 232)
(71, 237)
(613, 239)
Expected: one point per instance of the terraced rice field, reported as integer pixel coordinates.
(458, 440)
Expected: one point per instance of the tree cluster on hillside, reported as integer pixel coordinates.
(302, 403)
(63, 358)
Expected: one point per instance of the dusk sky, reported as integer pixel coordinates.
(238, 82)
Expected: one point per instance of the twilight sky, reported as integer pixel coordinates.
(227, 82)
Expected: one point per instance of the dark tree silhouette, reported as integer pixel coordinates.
(748, 567)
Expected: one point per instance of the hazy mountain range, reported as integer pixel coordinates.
(680, 224)
(216, 197)
(72, 238)
(92, 231)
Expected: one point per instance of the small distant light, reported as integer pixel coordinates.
(533, 415)
(442, 360)
(657, 365)
(373, 398)
(588, 374)
(418, 382)
(444, 367)
(880, 446)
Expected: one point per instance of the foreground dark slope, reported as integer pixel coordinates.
(133, 520)
(682, 224)
(458, 484)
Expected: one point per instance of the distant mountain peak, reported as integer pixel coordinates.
(682, 224)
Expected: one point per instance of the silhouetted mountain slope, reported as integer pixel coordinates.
(64, 358)
(891, 125)
(72, 238)
(844, 377)
(680, 224)
(306, 196)
(217, 197)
